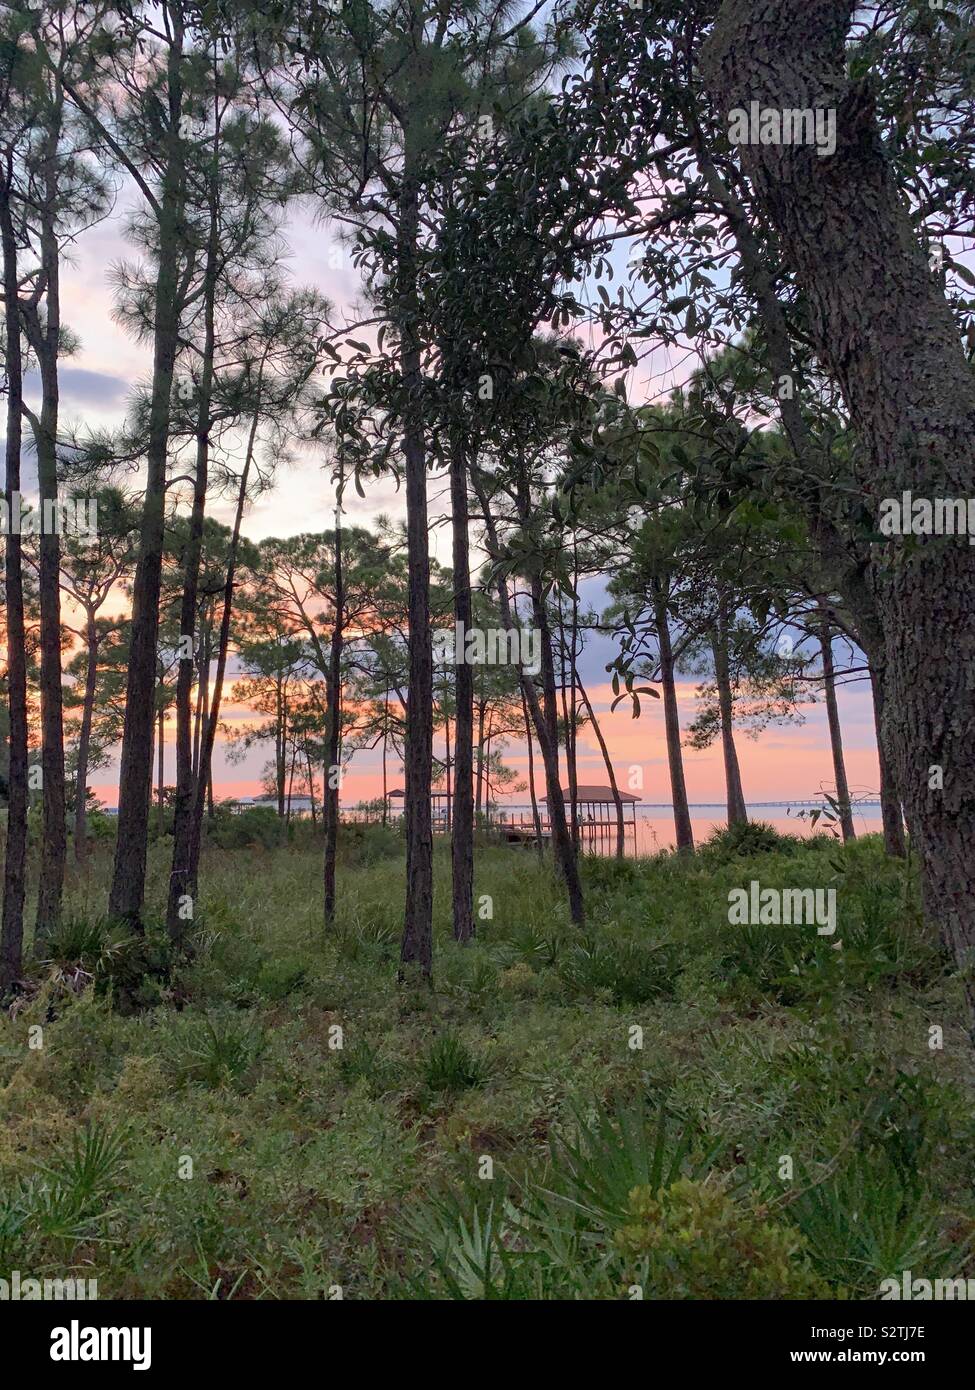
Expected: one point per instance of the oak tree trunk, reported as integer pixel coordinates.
(880, 321)
(895, 842)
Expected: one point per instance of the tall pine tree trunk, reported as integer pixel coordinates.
(45, 340)
(180, 906)
(416, 947)
(129, 870)
(330, 793)
(15, 853)
(462, 827)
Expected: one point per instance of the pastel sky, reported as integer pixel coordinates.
(783, 763)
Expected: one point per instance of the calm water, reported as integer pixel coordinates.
(655, 828)
(655, 824)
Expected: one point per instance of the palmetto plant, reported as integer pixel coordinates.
(553, 1238)
(70, 1199)
(594, 1170)
(218, 1051)
(865, 1223)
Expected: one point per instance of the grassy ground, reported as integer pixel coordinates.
(665, 1103)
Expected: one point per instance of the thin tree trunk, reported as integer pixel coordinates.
(291, 781)
(568, 725)
(181, 870)
(895, 842)
(545, 719)
(610, 772)
(311, 791)
(12, 932)
(683, 830)
(416, 947)
(481, 709)
(202, 695)
(571, 730)
(881, 324)
(204, 777)
(536, 819)
(448, 785)
(129, 871)
(161, 770)
(737, 814)
(836, 735)
(462, 828)
(385, 754)
(84, 743)
(330, 794)
(45, 338)
(281, 744)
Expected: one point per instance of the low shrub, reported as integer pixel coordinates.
(450, 1065)
(747, 839)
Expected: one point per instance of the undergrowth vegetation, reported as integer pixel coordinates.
(662, 1104)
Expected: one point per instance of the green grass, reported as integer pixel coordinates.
(280, 1119)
